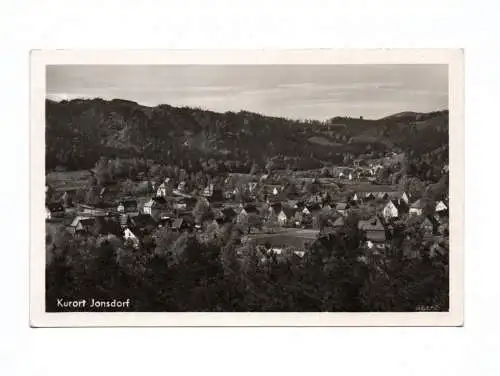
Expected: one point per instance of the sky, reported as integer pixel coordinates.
(293, 91)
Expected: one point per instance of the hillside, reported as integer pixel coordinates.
(78, 132)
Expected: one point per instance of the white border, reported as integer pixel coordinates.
(39, 59)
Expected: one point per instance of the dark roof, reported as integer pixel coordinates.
(289, 212)
(375, 235)
(314, 208)
(228, 213)
(55, 206)
(129, 203)
(109, 226)
(143, 220)
(276, 207)
(178, 223)
(251, 209)
(432, 220)
(87, 221)
(159, 200)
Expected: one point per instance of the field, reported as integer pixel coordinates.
(68, 180)
(291, 237)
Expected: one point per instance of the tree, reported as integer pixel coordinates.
(201, 210)
(102, 171)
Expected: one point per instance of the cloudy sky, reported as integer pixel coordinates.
(293, 91)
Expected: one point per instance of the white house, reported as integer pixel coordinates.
(275, 191)
(282, 218)
(416, 208)
(208, 191)
(129, 236)
(251, 186)
(390, 210)
(148, 206)
(48, 214)
(162, 190)
(306, 211)
(440, 207)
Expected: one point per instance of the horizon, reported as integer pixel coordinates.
(241, 110)
(298, 92)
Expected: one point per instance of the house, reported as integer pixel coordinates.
(129, 236)
(180, 204)
(227, 214)
(54, 209)
(48, 214)
(398, 196)
(127, 206)
(181, 187)
(306, 211)
(245, 212)
(81, 224)
(274, 209)
(142, 223)
(441, 208)
(252, 186)
(208, 191)
(285, 216)
(315, 199)
(161, 191)
(416, 208)
(154, 206)
(374, 232)
(390, 210)
(342, 208)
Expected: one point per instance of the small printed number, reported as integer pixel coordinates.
(428, 308)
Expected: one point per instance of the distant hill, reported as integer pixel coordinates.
(79, 132)
(404, 114)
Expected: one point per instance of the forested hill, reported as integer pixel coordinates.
(79, 132)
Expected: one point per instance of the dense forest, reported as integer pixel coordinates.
(178, 272)
(80, 132)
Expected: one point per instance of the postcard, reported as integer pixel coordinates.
(247, 188)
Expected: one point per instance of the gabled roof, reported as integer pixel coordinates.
(159, 200)
(55, 207)
(251, 209)
(314, 208)
(289, 212)
(417, 204)
(339, 222)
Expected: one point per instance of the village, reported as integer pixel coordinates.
(277, 211)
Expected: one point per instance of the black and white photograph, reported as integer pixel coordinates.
(279, 188)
